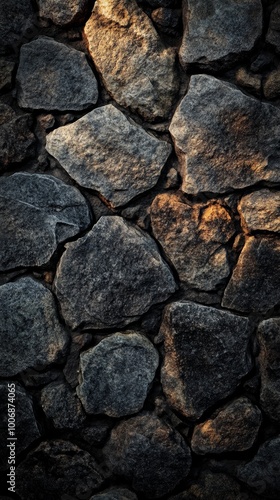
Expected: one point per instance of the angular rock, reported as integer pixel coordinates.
(269, 366)
(105, 151)
(140, 73)
(272, 36)
(63, 12)
(61, 406)
(219, 31)
(261, 210)
(271, 86)
(115, 375)
(6, 70)
(59, 468)
(234, 428)
(96, 433)
(38, 212)
(193, 237)
(167, 20)
(205, 356)
(111, 276)
(148, 452)
(262, 473)
(115, 494)
(254, 284)
(15, 19)
(31, 335)
(52, 76)
(224, 139)
(251, 82)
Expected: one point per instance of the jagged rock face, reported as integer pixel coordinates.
(65, 13)
(260, 211)
(62, 406)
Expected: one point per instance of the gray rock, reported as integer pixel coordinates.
(105, 151)
(206, 355)
(63, 12)
(262, 473)
(271, 86)
(140, 72)
(97, 431)
(254, 284)
(234, 428)
(61, 406)
(224, 139)
(115, 375)
(6, 70)
(31, 335)
(15, 19)
(115, 494)
(272, 36)
(167, 20)
(52, 76)
(58, 468)
(38, 212)
(248, 80)
(193, 237)
(111, 276)
(218, 31)
(148, 452)
(269, 366)
(261, 210)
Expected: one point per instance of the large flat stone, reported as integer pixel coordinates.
(15, 19)
(64, 12)
(224, 139)
(105, 151)
(111, 276)
(140, 71)
(52, 76)
(38, 212)
(206, 355)
(261, 210)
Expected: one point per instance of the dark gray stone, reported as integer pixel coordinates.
(62, 406)
(6, 70)
(111, 276)
(15, 19)
(115, 494)
(38, 212)
(272, 36)
(167, 20)
(261, 210)
(64, 12)
(271, 86)
(71, 369)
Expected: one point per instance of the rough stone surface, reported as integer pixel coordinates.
(269, 366)
(234, 428)
(193, 237)
(271, 86)
(167, 20)
(38, 212)
(249, 81)
(52, 76)
(63, 12)
(111, 276)
(219, 30)
(6, 70)
(31, 335)
(261, 210)
(148, 452)
(115, 494)
(205, 356)
(116, 374)
(105, 151)
(59, 468)
(254, 284)
(62, 406)
(272, 36)
(140, 72)
(15, 19)
(224, 139)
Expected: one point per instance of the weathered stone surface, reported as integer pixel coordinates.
(224, 139)
(269, 366)
(205, 356)
(234, 428)
(111, 276)
(58, 468)
(193, 237)
(97, 431)
(26, 429)
(15, 19)
(148, 452)
(105, 151)
(31, 335)
(272, 36)
(167, 20)
(115, 494)
(219, 31)
(262, 473)
(271, 86)
(254, 284)
(116, 374)
(62, 406)
(6, 70)
(251, 82)
(63, 12)
(38, 212)
(53, 76)
(261, 210)
(140, 72)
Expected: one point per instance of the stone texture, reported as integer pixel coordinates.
(262, 473)
(218, 31)
(234, 428)
(248, 80)
(38, 212)
(71, 368)
(140, 72)
(271, 86)
(193, 237)
(115, 375)
(111, 276)
(31, 335)
(148, 452)
(62, 406)
(115, 494)
(105, 151)
(224, 139)
(261, 210)
(6, 70)
(272, 36)
(167, 20)
(52, 76)
(15, 19)
(269, 366)
(205, 356)
(59, 468)
(64, 12)
(254, 284)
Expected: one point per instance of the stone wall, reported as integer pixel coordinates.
(140, 251)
